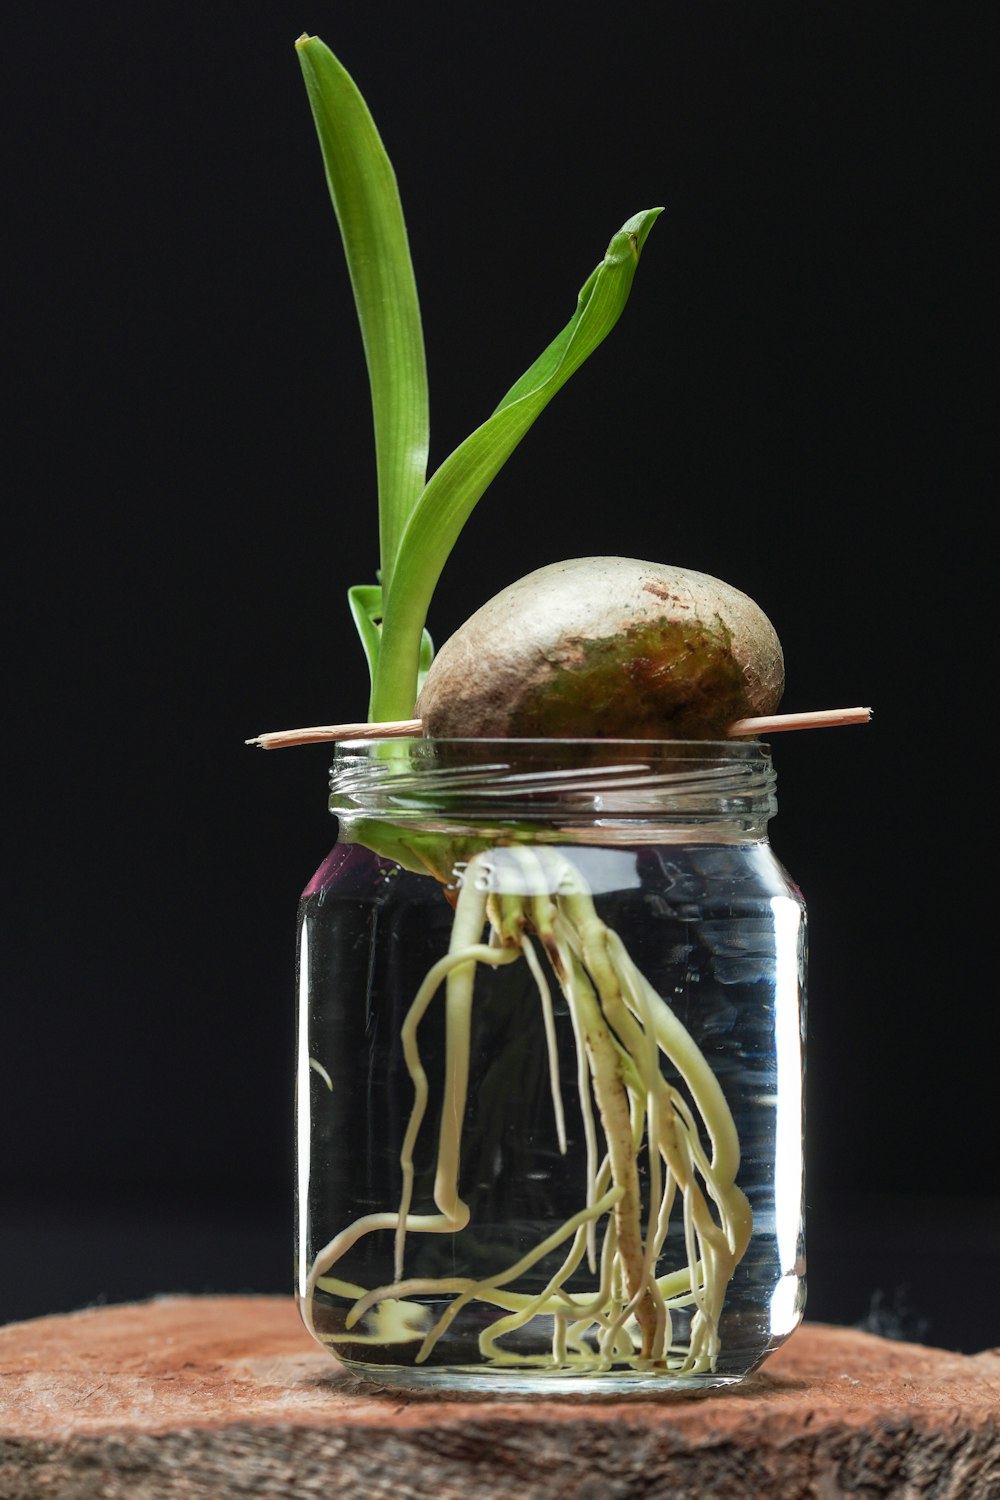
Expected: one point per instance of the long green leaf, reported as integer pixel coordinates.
(451, 494)
(366, 199)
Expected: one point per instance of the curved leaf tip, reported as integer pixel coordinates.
(635, 231)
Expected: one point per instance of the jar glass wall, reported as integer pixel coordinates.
(550, 1067)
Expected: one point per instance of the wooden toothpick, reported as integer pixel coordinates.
(390, 729)
(820, 718)
(278, 739)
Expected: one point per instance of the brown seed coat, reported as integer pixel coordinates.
(608, 647)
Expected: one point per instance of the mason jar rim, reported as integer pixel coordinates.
(450, 784)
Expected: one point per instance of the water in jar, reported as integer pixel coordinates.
(718, 930)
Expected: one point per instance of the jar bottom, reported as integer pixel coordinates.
(582, 1374)
(501, 1383)
(514, 1381)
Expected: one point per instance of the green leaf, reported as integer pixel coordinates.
(365, 602)
(366, 199)
(425, 658)
(451, 494)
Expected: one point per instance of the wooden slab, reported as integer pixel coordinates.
(212, 1398)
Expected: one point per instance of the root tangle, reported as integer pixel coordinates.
(622, 1029)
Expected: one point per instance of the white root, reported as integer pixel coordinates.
(454, 1214)
(549, 1022)
(622, 1028)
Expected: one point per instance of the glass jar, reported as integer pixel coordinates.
(550, 1067)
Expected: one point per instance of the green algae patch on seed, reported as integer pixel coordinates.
(667, 679)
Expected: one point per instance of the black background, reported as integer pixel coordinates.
(794, 400)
